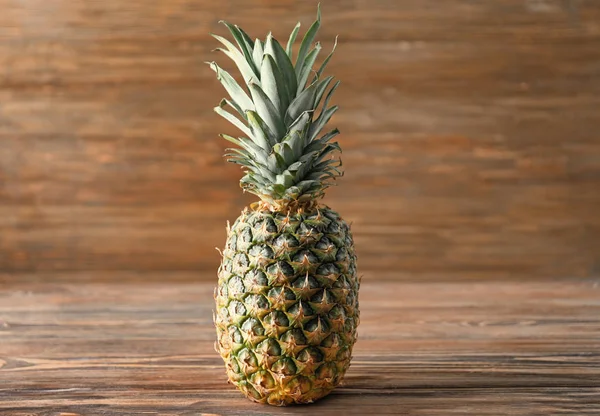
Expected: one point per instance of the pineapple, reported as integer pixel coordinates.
(287, 297)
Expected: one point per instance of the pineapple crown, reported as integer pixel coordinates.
(286, 157)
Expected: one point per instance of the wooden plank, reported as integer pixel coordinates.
(518, 402)
(113, 346)
(432, 68)
(358, 20)
(469, 133)
(104, 203)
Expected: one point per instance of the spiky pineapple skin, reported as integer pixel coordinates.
(287, 304)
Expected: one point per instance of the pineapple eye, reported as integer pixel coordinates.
(235, 335)
(285, 241)
(234, 365)
(294, 336)
(300, 385)
(301, 309)
(285, 366)
(318, 220)
(349, 325)
(310, 354)
(263, 379)
(317, 324)
(281, 267)
(236, 287)
(257, 302)
(246, 235)
(222, 318)
(255, 279)
(253, 326)
(281, 292)
(250, 391)
(247, 357)
(350, 299)
(307, 282)
(336, 313)
(324, 244)
(277, 318)
(332, 340)
(306, 230)
(267, 224)
(232, 242)
(342, 283)
(332, 215)
(326, 371)
(241, 260)
(323, 297)
(228, 267)
(349, 241)
(328, 269)
(261, 251)
(237, 309)
(352, 269)
(305, 255)
(269, 346)
(344, 354)
(333, 228)
(223, 291)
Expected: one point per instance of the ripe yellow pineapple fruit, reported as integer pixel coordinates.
(287, 297)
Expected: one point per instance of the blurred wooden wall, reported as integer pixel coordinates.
(471, 134)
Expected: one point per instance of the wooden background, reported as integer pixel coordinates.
(471, 134)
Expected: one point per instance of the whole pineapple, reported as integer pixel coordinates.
(287, 299)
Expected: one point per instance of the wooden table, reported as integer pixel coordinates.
(134, 344)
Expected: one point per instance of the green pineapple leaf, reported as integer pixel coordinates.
(266, 110)
(307, 67)
(326, 61)
(262, 134)
(291, 40)
(273, 48)
(244, 42)
(232, 119)
(237, 94)
(307, 41)
(283, 108)
(273, 84)
(236, 56)
(258, 53)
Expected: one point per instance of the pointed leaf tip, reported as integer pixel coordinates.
(292, 39)
(307, 41)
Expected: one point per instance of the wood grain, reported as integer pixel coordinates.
(470, 134)
(113, 346)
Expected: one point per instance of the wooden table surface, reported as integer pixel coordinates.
(136, 345)
(470, 132)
